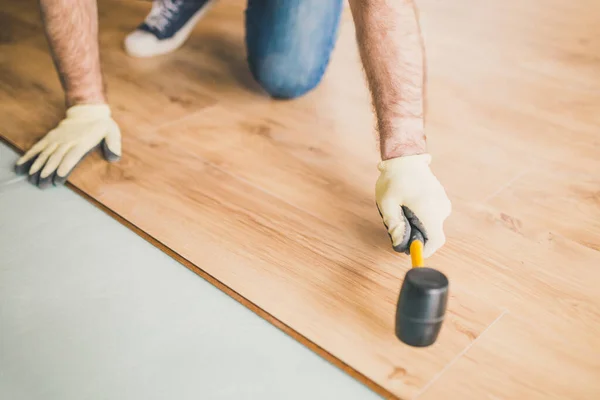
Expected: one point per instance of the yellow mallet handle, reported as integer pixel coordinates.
(416, 253)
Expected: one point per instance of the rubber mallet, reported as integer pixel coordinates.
(422, 301)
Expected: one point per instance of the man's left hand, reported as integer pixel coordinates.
(53, 158)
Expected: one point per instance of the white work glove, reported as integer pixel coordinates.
(409, 196)
(53, 158)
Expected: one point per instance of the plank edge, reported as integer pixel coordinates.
(227, 290)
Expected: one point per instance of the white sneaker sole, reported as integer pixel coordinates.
(144, 44)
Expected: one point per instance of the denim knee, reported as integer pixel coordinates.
(283, 78)
(289, 43)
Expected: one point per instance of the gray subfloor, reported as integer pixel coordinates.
(89, 310)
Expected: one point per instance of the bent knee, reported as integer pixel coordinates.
(284, 80)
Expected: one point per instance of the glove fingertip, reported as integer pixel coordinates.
(21, 169)
(59, 180)
(45, 182)
(109, 155)
(402, 248)
(34, 178)
(414, 221)
(433, 245)
(401, 244)
(60, 176)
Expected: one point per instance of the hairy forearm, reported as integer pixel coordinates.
(71, 28)
(391, 50)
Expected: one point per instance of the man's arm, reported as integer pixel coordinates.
(409, 196)
(71, 28)
(391, 49)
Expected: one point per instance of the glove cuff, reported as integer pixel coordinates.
(398, 163)
(89, 111)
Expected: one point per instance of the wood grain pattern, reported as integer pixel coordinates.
(272, 202)
(512, 361)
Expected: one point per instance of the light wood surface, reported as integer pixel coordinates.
(273, 201)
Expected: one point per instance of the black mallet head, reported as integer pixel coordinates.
(421, 306)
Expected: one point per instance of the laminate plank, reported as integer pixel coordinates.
(545, 278)
(554, 202)
(14, 28)
(517, 359)
(308, 169)
(326, 284)
(33, 101)
(525, 74)
(494, 255)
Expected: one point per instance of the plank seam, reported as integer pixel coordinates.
(506, 185)
(183, 118)
(458, 356)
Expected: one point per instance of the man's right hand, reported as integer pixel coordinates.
(53, 158)
(409, 196)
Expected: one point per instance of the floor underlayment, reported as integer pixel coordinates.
(272, 202)
(89, 310)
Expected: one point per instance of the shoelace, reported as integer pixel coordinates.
(162, 12)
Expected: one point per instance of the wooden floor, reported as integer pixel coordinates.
(273, 202)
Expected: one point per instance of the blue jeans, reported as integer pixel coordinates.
(289, 43)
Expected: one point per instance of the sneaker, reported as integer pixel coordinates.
(166, 28)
